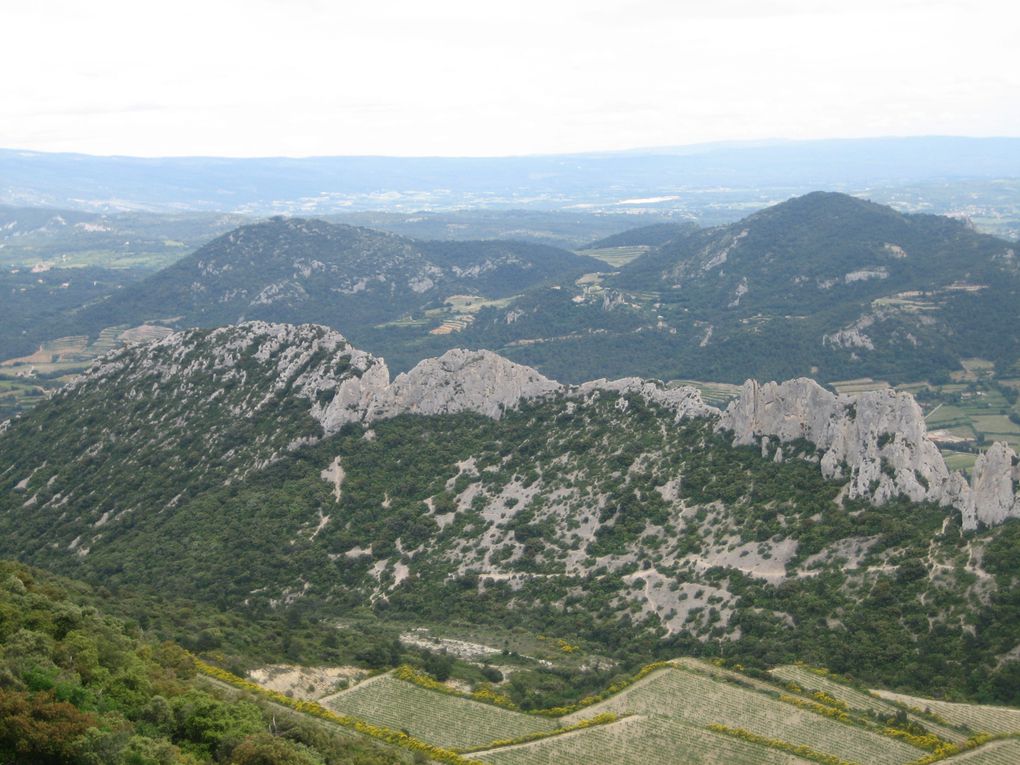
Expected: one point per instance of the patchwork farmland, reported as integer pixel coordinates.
(690, 712)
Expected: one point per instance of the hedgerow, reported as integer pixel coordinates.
(785, 746)
(612, 690)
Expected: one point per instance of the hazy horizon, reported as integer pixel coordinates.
(458, 79)
(679, 149)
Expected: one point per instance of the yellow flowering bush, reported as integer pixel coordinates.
(948, 750)
(813, 706)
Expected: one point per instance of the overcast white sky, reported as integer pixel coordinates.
(470, 77)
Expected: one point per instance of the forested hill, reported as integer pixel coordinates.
(302, 270)
(654, 235)
(824, 285)
(263, 468)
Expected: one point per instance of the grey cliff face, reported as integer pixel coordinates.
(459, 381)
(879, 441)
(994, 495)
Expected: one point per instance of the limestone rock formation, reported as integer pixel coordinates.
(993, 492)
(458, 381)
(684, 401)
(876, 439)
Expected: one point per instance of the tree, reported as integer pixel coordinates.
(37, 730)
(264, 749)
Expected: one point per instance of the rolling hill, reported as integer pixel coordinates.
(654, 235)
(306, 270)
(825, 285)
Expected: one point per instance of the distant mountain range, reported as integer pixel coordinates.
(319, 185)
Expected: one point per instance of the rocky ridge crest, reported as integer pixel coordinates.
(344, 385)
(876, 440)
(879, 441)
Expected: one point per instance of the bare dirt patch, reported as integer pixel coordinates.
(310, 683)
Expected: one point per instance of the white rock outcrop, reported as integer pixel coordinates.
(684, 401)
(345, 385)
(879, 441)
(993, 489)
(461, 381)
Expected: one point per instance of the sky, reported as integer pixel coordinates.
(489, 78)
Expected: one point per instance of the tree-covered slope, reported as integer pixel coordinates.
(310, 271)
(655, 235)
(217, 466)
(79, 687)
(824, 285)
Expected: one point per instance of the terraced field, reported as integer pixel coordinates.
(616, 256)
(700, 700)
(974, 716)
(855, 699)
(716, 394)
(994, 753)
(858, 385)
(24, 381)
(640, 741)
(689, 713)
(445, 720)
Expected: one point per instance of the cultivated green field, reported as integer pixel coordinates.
(616, 256)
(17, 395)
(700, 700)
(809, 680)
(438, 718)
(995, 753)
(979, 718)
(858, 385)
(697, 713)
(24, 381)
(716, 394)
(640, 741)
